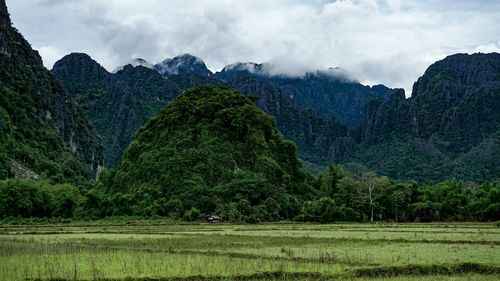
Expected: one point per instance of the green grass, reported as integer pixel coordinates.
(166, 251)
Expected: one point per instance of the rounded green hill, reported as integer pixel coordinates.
(210, 151)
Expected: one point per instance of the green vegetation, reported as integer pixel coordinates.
(39, 128)
(38, 199)
(212, 151)
(34, 142)
(159, 250)
(448, 129)
(335, 196)
(117, 104)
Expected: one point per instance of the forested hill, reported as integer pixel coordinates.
(208, 148)
(42, 133)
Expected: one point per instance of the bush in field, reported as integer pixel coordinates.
(27, 198)
(193, 215)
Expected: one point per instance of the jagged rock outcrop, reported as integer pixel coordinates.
(43, 130)
(458, 100)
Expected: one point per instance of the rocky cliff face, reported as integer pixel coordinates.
(452, 121)
(388, 119)
(458, 100)
(47, 132)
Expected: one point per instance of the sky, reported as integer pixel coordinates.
(388, 42)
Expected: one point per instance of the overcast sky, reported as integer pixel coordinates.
(386, 41)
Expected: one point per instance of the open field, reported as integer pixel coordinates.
(162, 251)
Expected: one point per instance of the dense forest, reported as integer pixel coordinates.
(338, 197)
(212, 151)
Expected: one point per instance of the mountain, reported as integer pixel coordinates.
(116, 103)
(328, 93)
(458, 100)
(182, 65)
(332, 119)
(450, 127)
(210, 149)
(112, 104)
(320, 140)
(136, 62)
(43, 134)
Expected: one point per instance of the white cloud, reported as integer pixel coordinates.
(49, 54)
(493, 47)
(376, 41)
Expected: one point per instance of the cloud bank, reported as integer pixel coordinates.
(387, 41)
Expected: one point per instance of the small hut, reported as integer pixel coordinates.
(214, 219)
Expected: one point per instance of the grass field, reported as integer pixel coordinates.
(159, 250)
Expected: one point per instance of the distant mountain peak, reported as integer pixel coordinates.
(270, 70)
(475, 69)
(73, 57)
(251, 67)
(333, 73)
(183, 64)
(135, 63)
(79, 66)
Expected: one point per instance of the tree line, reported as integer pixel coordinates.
(336, 195)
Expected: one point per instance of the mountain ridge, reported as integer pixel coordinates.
(384, 124)
(321, 143)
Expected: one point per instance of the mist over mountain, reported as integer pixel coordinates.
(448, 128)
(334, 119)
(135, 62)
(328, 93)
(321, 137)
(184, 64)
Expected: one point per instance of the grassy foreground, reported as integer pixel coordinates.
(162, 251)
